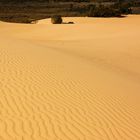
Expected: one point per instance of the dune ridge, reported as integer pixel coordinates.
(70, 82)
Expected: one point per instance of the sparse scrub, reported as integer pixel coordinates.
(124, 7)
(91, 10)
(104, 11)
(21, 11)
(57, 19)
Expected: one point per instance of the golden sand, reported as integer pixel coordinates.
(72, 81)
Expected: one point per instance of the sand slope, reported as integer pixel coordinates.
(70, 82)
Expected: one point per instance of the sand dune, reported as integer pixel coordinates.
(70, 82)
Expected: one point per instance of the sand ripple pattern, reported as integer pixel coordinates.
(46, 95)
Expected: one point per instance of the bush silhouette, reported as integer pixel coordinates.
(104, 11)
(124, 7)
(91, 10)
(57, 19)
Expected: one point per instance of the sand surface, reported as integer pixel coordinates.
(70, 82)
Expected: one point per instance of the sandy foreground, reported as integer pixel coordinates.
(70, 82)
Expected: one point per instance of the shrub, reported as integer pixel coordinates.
(104, 11)
(57, 19)
(91, 10)
(124, 7)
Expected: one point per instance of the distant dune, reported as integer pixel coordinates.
(72, 81)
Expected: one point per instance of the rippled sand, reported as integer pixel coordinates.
(70, 82)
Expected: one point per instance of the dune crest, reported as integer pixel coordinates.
(70, 82)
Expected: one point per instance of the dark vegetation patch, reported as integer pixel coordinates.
(56, 19)
(28, 11)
